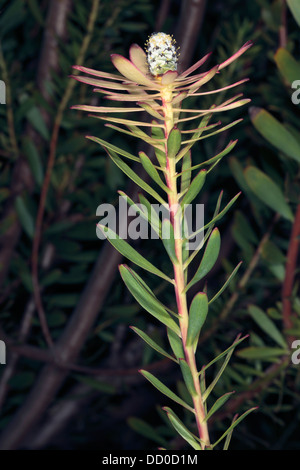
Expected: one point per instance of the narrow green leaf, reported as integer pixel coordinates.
(261, 352)
(267, 325)
(187, 376)
(146, 430)
(174, 142)
(152, 172)
(182, 429)
(152, 215)
(233, 425)
(224, 353)
(209, 258)
(275, 133)
(176, 344)
(129, 252)
(146, 298)
(287, 65)
(114, 148)
(217, 217)
(165, 390)
(197, 134)
(186, 172)
(26, 218)
(268, 191)
(226, 283)
(207, 235)
(212, 160)
(132, 175)
(194, 188)
(34, 159)
(139, 210)
(220, 402)
(158, 133)
(294, 6)
(218, 375)
(168, 239)
(197, 315)
(152, 343)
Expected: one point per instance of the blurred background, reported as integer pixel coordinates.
(71, 378)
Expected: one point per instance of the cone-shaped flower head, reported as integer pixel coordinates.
(161, 53)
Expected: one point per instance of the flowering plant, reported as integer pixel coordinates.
(152, 82)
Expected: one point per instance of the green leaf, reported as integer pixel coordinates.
(186, 172)
(224, 353)
(126, 250)
(175, 343)
(132, 175)
(233, 425)
(146, 298)
(226, 283)
(35, 117)
(152, 172)
(220, 402)
(215, 218)
(194, 188)
(295, 9)
(158, 133)
(275, 133)
(187, 376)
(182, 429)
(209, 258)
(218, 375)
(165, 390)
(174, 142)
(287, 65)
(261, 352)
(268, 191)
(152, 343)
(146, 430)
(152, 215)
(197, 315)
(26, 219)
(267, 325)
(169, 240)
(34, 160)
(112, 147)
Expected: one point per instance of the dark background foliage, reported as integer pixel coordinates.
(73, 382)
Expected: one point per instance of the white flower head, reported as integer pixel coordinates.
(161, 53)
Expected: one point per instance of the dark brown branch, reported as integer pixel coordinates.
(187, 32)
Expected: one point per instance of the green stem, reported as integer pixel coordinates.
(179, 276)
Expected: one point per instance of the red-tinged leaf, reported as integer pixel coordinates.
(241, 51)
(138, 58)
(131, 72)
(169, 77)
(100, 83)
(194, 67)
(98, 73)
(207, 76)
